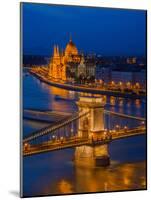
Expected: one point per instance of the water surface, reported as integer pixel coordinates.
(55, 173)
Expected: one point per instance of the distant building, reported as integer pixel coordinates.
(103, 73)
(30, 60)
(122, 76)
(129, 76)
(131, 60)
(90, 66)
(82, 68)
(60, 62)
(69, 64)
(140, 77)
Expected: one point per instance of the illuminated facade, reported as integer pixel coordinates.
(131, 60)
(68, 64)
(92, 127)
(60, 61)
(82, 67)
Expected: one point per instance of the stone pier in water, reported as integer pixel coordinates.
(92, 127)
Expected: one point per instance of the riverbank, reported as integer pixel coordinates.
(87, 90)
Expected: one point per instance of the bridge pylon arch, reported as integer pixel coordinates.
(92, 127)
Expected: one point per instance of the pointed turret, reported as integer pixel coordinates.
(55, 51)
(82, 59)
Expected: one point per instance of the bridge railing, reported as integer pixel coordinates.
(75, 141)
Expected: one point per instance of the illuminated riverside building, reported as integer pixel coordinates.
(69, 64)
(131, 60)
(103, 73)
(82, 67)
(129, 76)
(117, 76)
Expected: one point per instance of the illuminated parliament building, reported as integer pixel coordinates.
(70, 65)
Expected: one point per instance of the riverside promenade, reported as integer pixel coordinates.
(91, 90)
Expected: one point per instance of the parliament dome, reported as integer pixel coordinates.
(71, 49)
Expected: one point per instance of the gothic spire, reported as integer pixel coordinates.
(55, 51)
(70, 36)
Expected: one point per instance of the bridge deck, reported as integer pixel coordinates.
(75, 141)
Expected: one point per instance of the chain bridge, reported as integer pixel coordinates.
(89, 130)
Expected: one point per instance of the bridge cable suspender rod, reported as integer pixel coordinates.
(124, 115)
(55, 127)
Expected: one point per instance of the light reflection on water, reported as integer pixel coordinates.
(54, 172)
(121, 177)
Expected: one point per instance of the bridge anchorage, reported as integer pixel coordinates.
(89, 130)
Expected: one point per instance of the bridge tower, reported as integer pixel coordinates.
(92, 127)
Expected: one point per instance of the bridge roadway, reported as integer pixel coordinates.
(76, 141)
(74, 117)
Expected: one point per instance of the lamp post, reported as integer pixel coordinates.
(125, 128)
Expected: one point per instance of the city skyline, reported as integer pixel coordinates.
(119, 32)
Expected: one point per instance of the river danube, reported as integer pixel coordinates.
(55, 173)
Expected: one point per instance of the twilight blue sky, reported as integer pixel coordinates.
(99, 30)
